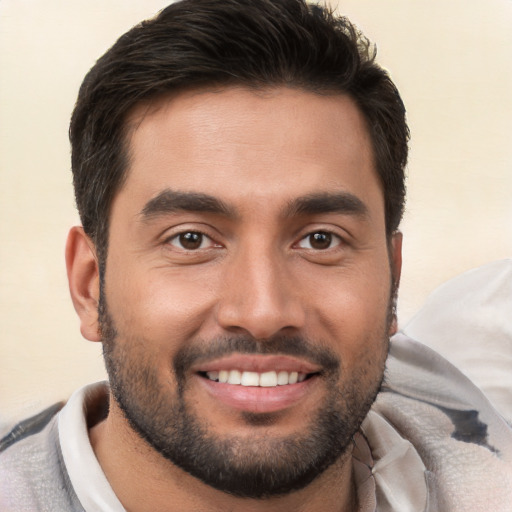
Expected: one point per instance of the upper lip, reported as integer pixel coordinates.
(259, 363)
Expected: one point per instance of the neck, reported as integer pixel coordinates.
(144, 481)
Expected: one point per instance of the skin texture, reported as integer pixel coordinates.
(256, 275)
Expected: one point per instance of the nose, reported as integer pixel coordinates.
(259, 296)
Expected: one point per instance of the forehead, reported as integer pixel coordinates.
(238, 144)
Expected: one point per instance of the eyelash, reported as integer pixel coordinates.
(321, 236)
(203, 237)
(198, 237)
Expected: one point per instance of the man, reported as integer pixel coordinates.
(239, 172)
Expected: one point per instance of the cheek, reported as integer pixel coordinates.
(160, 304)
(353, 312)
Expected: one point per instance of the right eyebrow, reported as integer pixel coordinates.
(344, 203)
(172, 201)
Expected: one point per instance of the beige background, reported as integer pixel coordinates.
(450, 58)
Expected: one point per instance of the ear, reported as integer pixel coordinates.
(395, 259)
(84, 281)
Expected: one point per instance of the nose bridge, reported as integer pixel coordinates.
(258, 296)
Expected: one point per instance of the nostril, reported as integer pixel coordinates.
(259, 324)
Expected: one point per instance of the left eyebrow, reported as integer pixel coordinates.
(172, 201)
(326, 202)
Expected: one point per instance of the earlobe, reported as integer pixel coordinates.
(84, 283)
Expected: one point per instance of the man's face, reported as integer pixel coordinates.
(248, 283)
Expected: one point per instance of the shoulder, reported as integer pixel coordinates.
(32, 474)
(29, 427)
(465, 445)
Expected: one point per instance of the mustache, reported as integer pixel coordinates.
(202, 351)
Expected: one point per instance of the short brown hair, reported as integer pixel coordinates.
(253, 43)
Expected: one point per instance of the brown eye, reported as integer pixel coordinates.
(190, 240)
(319, 241)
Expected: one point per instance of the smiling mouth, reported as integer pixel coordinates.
(259, 384)
(268, 379)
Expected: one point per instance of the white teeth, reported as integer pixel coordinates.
(213, 375)
(250, 379)
(282, 378)
(267, 379)
(223, 376)
(235, 377)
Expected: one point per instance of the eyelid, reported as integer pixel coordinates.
(174, 234)
(335, 230)
(176, 238)
(336, 240)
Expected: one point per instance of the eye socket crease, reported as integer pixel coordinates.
(318, 203)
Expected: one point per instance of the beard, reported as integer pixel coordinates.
(261, 466)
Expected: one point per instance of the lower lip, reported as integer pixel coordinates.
(258, 399)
